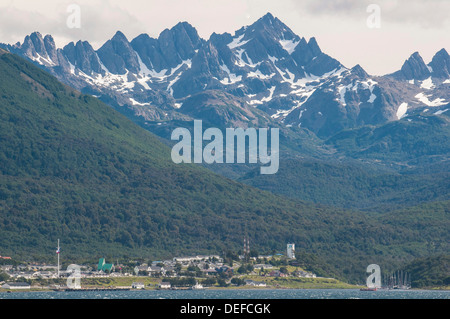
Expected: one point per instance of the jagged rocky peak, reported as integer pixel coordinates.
(304, 52)
(273, 25)
(83, 56)
(38, 42)
(269, 37)
(440, 64)
(50, 47)
(266, 40)
(220, 40)
(149, 52)
(32, 44)
(179, 43)
(184, 32)
(170, 49)
(313, 46)
(359, 71)
(118, 55)
(414, 68)
(267, 29)
(40, 49)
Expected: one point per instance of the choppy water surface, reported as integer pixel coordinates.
(234, 294)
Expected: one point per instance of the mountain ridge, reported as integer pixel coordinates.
(264, 63)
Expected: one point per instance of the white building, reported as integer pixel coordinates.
(291, 251)
(187, 260)
(137, 285)
(165, 285)
(255, 283)
(16, 285)
(263, 266)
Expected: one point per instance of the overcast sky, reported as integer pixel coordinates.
(340, 26)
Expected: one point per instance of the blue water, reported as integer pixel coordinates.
(233, 294)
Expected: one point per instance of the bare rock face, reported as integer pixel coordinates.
(440, 65)
(81, 55)
(118, 56)
(266, 66)
(413, 68)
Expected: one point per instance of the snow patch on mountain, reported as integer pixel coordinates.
(134, 102)
(440, 112)
(424, 99)
(427, 84)
(104, 68)
(42, 60)
(271, 90)
(369, 84)
(289, 45)
(143, 81)
(342, 89)
(240, 62)
(161, 75)
(258, 74)
(284, 113)
(171, 83)
(237, 42)
(254, 102)
(401, 111)
(72, 68)
(143, 69)
(232, 78)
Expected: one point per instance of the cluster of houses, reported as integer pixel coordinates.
(30, 271)
(206, 264)
(210, 265)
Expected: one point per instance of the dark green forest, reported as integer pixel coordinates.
(352, 185)
(74, 168)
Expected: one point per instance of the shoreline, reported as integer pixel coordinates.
(209, 288)
(153, 283)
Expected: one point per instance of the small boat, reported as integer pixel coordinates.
(368, 289)
(197, 286)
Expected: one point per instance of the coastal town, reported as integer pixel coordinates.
(187, 272)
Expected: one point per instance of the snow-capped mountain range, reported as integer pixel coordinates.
(265, 71)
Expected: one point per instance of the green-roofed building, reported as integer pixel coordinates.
(102, 266)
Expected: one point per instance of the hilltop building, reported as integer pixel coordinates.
(103, 266)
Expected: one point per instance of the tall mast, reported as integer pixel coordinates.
(246, 244)
(57, 252)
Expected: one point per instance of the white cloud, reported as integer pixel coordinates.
(100, 19)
